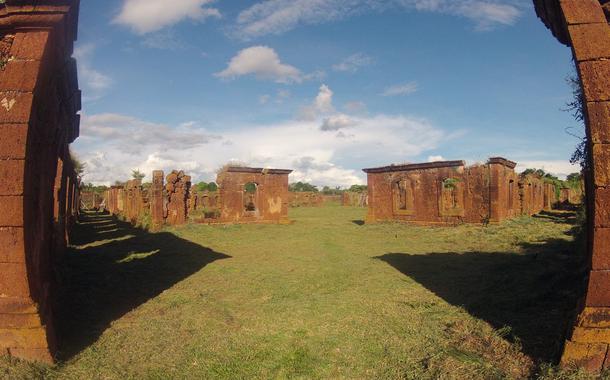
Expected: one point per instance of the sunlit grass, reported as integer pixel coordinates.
(324, 297)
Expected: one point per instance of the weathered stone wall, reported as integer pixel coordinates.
(156, 200)
(535, 194)
(39, 99)
(134, 206)
(269, 203)
(178, 188)
(353, 199)
(583, 25)
(304, 199)
(444, 192)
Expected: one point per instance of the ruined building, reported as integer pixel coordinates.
(253, 195)
(450, 192)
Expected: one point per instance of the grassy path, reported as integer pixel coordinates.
(325, 297)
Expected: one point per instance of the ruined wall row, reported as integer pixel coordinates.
(39, 99)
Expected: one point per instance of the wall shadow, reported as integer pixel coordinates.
(105, 275)
(534, 291)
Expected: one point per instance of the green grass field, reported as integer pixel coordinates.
(326, 297)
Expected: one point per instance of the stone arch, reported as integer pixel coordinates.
(583, 25)
(39, 101)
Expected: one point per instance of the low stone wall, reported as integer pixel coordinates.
(305, 199)
(354, 199)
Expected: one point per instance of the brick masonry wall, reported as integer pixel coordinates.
(271, 195)
(583, 25)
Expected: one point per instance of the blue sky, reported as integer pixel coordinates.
(324, 87)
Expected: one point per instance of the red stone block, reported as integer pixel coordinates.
(582, 11)
(29, 45)
(19, 321)
(601, 164)
(601, 249)
(590, 41)
(12, 248)
(32, 354)
(589, 356)
(598, 293)
(11, 211)
(595, 317)
(14, 280)
(11, 177)
(13, 141)
(24, 337)
(17, 305)
(15, 107)
(595, 76)
(591, 335)
(599, 121)
(20, 76)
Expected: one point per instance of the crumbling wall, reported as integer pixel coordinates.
(354, 199)
(536, 195)
(178, 187)
(268, 203)
(304, 199)
(444, 192)
(134, 206)
(156, 200)
(39, 99)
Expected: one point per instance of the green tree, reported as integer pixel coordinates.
(136, 174)
(302, 187)
(358, 188)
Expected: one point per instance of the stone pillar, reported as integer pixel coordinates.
(583, 25)
(39, 99)
(156, 199)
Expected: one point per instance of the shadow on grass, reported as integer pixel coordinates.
(567, 217)
(358, 222)
(533, 292)
(107, 274)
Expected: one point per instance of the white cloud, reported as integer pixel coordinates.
(337, 122)
(353, 63)
(262, 62)
(112, 145)
(145, 16)
(278, 16)
(93, 82)
(322, 105)
(559, 168)
(400, 89)
(435, 158)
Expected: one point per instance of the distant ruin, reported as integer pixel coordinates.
(449, 192)
(305, 199)
(253, 195)
(355, 199)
